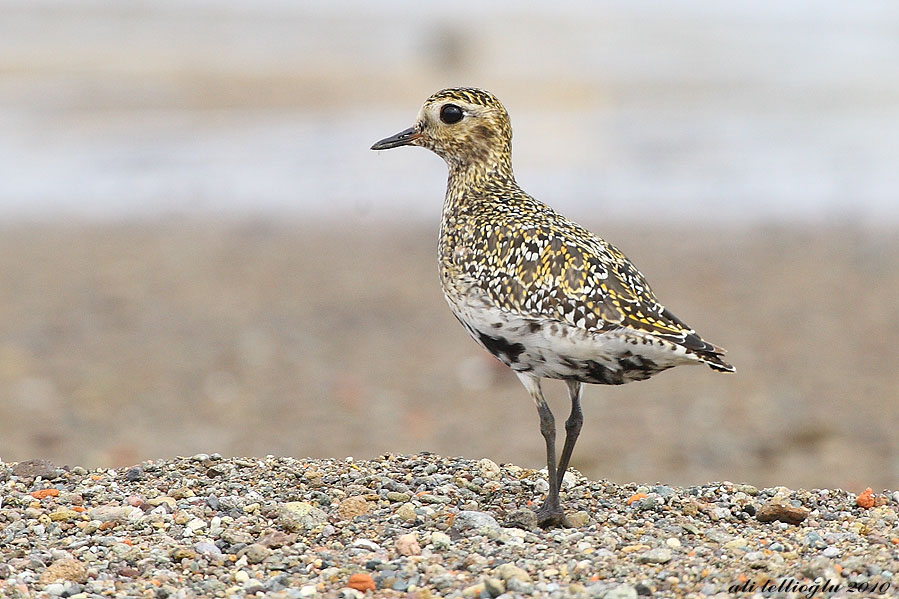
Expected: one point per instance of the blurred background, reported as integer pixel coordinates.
(199, 253)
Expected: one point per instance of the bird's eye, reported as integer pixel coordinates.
(450, 113)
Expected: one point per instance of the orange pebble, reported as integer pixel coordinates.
(636, 497)
(45, 493)
(866, 499)
(361, 582)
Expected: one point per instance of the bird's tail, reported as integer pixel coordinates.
(709, 354)
(713, 357)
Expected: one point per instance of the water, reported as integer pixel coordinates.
(649, 112)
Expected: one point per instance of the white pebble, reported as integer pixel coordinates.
(196, 524)
(241, 577)
(366, 544)
(488, 469)
(440, 540)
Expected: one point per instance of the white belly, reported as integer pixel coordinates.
(550, 348)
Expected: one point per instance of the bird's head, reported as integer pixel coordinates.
(464, 126)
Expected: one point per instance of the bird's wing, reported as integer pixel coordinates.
(555, 268)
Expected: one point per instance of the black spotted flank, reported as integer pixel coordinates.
(505, 351)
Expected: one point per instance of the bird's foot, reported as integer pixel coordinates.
(552, 516)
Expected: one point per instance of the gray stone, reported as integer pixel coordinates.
(36, 468)
(647, 503)
(55, 589)
(479, 521)
(654, 556)
(516, 585)
(622, 591)
(256, 553)
(135, 473)
(523, 518)
(663, 490)
(299, 516)
(208, 549)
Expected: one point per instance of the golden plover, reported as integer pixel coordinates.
(541, 293)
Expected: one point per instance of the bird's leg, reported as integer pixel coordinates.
(572, 427)
(550, 513)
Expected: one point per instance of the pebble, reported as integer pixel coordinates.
(55, 589)
(33, 469)
(195, 524)
(507, 572)
(301, 516)
(352, 507)
(164, 499)
(470, 520)
(778, 510)
(622, 591)
(415, 527)
(754, 556)
(63, 515)
(65, 569)
(361, 582)
(134, 474)
(440, 540)
(655, 556)
(115, 513)
(488, 469)
(406, 513)
(255, 553)
(397, 497)
(407, 544)
(578, 519)
(366, 544)
(523, 518)
(207, 549)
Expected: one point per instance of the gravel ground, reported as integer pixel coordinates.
(424, 526)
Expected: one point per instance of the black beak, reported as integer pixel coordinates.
(403, 138)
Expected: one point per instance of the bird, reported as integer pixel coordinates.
(544, 295)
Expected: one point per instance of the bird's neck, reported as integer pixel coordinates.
(469, 184)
